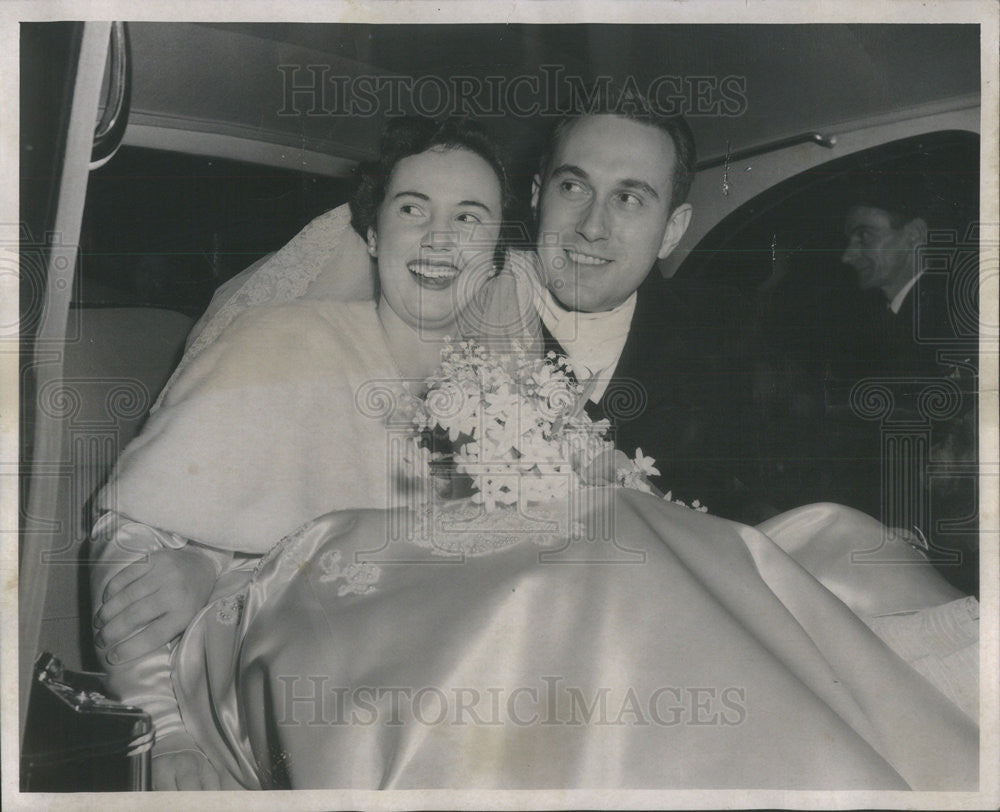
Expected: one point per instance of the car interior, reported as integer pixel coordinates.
(214, 166)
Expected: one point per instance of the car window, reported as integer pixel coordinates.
(782, 250)
(163, 229)
(810, 332)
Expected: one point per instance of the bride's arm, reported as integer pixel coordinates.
(116, 545)
(152, 585)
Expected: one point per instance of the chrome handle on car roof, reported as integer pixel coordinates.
(771, 146)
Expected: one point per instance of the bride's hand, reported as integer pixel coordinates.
(184, 769)
(150, 602)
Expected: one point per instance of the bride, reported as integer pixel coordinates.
(603, 638)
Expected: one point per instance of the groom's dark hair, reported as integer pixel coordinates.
(412, 135)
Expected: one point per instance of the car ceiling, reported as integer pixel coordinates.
(223, 78)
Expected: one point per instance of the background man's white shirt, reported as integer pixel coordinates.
(899, 298)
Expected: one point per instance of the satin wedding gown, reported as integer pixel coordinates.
(613, 640)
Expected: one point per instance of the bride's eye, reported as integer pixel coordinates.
(411, 210)
(468, 217)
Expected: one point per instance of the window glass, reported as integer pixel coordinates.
(163, 229)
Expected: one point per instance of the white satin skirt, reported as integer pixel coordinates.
(657, 647)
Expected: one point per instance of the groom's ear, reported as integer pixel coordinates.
(536, 190)
(676, 226)
(372, 242)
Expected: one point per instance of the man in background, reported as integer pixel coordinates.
(920, 339)
(883, 238)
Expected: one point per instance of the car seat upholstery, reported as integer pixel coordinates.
(115, 362)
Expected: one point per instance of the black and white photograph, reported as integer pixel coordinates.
(500, 405)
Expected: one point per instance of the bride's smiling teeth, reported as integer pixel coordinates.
(585, 259)
(433, 270)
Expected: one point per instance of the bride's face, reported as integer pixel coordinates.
(435, 235)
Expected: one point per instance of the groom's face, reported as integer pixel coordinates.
(604, 210)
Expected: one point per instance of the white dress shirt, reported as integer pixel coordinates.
(593, 341)
(899, 298)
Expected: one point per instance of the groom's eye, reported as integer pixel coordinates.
(628, 200)
(572, 188)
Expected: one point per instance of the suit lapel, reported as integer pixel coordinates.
(634, 361)
(629, 362)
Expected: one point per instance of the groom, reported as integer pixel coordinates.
(610, 200)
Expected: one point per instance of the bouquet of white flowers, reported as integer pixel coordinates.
(516, 429)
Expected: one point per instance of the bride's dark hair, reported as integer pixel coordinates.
(411, 135)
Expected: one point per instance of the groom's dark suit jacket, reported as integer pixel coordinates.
(678, 393)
